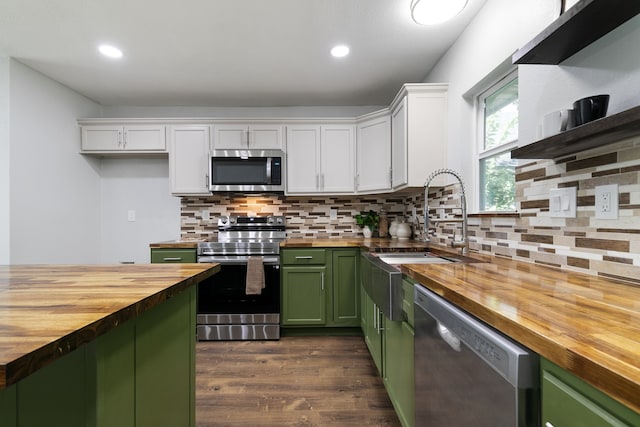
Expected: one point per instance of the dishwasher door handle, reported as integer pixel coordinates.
(449, 337)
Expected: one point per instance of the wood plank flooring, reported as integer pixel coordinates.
(297, 381)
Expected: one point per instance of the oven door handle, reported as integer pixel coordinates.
(238, 260)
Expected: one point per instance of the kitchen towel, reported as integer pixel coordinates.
(255, 276)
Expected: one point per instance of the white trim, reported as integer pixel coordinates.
(507, 146)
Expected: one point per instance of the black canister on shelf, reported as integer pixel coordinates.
(590, 108)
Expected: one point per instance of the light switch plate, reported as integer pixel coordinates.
(562, 202)
(607, 201)
(333, 214)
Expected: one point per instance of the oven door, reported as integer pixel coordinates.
(225, 292)
(226, 312)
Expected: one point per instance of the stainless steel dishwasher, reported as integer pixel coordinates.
(466, 373)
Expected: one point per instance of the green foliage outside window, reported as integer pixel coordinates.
(498, 183)
(497, 172)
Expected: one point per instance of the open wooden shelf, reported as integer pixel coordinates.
(581, 25)
(597, 133)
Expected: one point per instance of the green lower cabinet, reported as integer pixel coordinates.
(345, 287)
(165, 363)
(169, 255)
(567, 401)
(303, 296)
(398, 369)
(372, 331)
(320, 287)
(140, 374)
(397, 344)
(115, 376)
(56, 395)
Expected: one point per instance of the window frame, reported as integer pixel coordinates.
(480, 152)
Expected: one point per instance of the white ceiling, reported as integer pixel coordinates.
(227, 53)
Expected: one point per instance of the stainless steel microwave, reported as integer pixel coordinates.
(247, 171)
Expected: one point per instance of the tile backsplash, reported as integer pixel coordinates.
(305, 216)
(605, 247)
(608, 248)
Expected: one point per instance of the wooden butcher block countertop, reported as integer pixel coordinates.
(47, 311)
(354, 242)
(587, 325)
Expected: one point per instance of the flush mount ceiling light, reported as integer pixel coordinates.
(110, 51)
(340, 51)
(431, 12)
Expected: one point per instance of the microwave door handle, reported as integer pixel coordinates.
(268, 170)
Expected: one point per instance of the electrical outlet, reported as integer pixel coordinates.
(131, 216)
(333, 214)
(606, 204)
(205, 215)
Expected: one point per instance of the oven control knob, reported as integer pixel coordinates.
(223, 220)
(270, 220)
(280, 220)
(232, 220)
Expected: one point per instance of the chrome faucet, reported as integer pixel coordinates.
(463, 243)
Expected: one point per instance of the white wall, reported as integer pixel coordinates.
(54, 191)
(610, 65)
(140, 185)
(481, 54)
(4, 161)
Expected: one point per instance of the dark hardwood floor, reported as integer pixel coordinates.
(297, 381)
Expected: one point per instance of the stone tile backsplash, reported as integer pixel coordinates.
(609, 248)
(305, 216)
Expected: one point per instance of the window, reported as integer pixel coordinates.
(498, 135)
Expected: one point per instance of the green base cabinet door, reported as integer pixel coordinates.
(372, 330)
(397, 344)
(398, 369)
(345, 286)
(567, 401)
(303, 296)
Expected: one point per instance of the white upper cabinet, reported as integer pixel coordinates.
(337, 159)
(247, 136)
(123, 138)
(374, 155)
(419, 136)
(303, 159)
(189, 160)
(399, 145)
(320, 159)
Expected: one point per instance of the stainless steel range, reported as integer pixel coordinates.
(230, 307)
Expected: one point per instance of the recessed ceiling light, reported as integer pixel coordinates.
(340, 51)
(110, 51)
(431, 12)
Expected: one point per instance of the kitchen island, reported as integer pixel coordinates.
(98, 345)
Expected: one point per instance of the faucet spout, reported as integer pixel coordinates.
(463, 243)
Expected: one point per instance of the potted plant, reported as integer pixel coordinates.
(368, 221)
